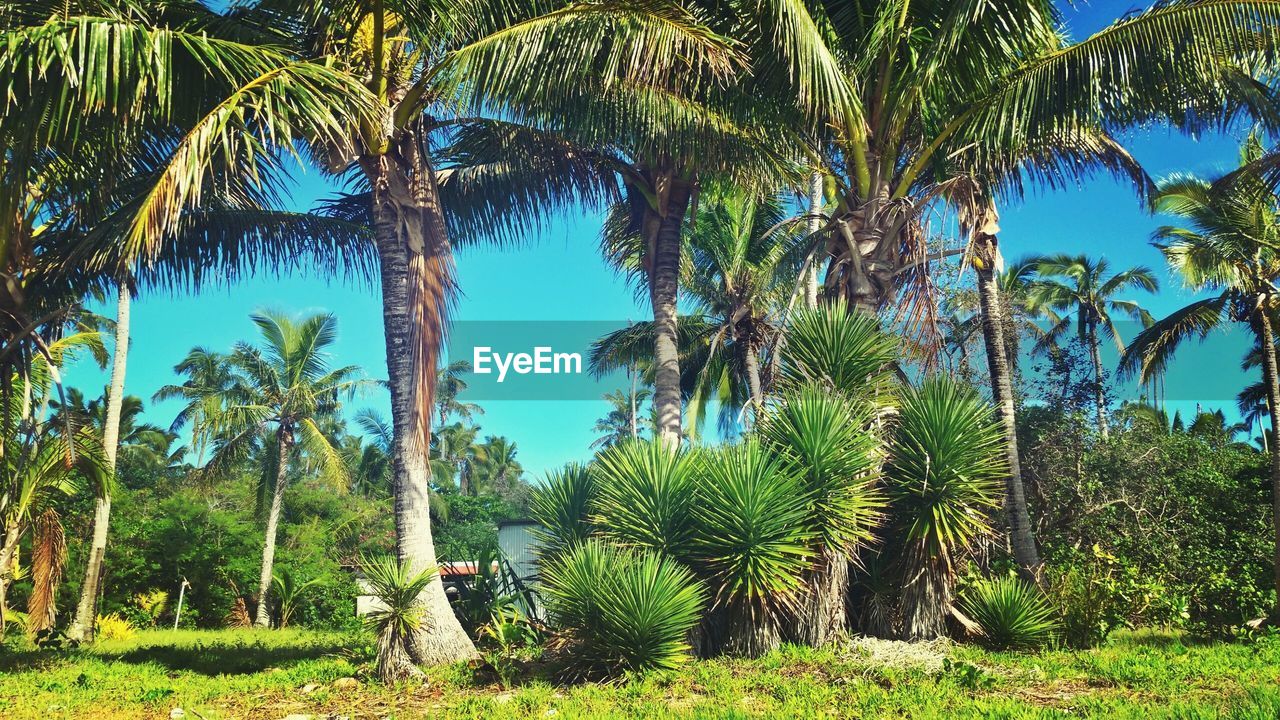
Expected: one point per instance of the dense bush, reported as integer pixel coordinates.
(1156, 526)
(623, 610)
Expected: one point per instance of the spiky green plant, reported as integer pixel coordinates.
(752, 539)
(943, 479)
(1010, 614)
(289, 594)
(561, 507)
(829, 442)
(397, 588)
(842, 351)
(623, 610)
(644, 494)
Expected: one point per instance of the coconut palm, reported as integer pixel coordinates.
(1086, 289)
(622, 421)
(1227, 245)
(739, 273)
(286, 386)
(449, 386)
(946, 461)
(496, 465)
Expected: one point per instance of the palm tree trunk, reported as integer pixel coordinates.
(1020, 536)
(821, 614)
(752, 363)
(284, 437)
(1271, 377)
(815, 224)
(82, 628)
(1099, 393)
(417, 286)
(664, 287)
(635, 429)
(8, 553)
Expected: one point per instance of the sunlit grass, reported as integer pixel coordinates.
(271, 674)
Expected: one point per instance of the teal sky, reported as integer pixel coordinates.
(559, 275)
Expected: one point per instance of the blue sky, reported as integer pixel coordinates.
(558, 275)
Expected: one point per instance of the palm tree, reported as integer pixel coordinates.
(209, 375)
(1085, 288)
(741, 271)
(289, 385)
(363, 82)
(497, 465)
(449, 385)
(621, 423)
(42, 468)
(1227, 244)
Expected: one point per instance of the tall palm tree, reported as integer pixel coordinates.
(209, 375)
(497, 466)
(449, 386)
(288, 386)
(363, 82)
(740, 272)
(1079, 286)
(1227, 244)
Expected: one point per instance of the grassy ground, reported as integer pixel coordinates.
(274, 674)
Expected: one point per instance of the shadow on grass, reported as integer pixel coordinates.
(218, 654)
(226, 657)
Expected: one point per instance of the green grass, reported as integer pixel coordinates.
(271, 674)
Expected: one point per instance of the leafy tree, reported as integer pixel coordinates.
(1226, 244)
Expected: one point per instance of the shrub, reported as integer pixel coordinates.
(561, 507)
(1010, 614)
(114, 627)
(644, 494)
(622, 610)
(397, 588)
(150, 605)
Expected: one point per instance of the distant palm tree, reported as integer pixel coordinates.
(209, 375)
(1085, 288)
(287, 384)
(497, 468)
(1229, 243)
(449, 385)
(621, 422)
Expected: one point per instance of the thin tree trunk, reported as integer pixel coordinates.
(815, 224)
(635, 429)
(8, 554)
(82, 628)
(1020, 536)
(417, 287)
(262, 618)
(664, 288)
(1271, 376)
(1099, 393)
(752, 362)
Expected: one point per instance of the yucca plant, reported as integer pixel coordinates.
(826, 439)
(397, 589)
(561, 507)
(752, 541)
(943, 479)
(622, 609)
(1010, 614)
(644, 493)
(842, 351)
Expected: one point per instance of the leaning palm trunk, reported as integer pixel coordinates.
(752, 362)
(284, 438)
(993, 326)
(82, 628)
(1266, 339)
(664, 286)
(417, 286)
(1099, 394)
